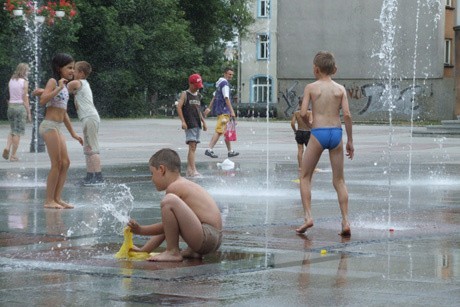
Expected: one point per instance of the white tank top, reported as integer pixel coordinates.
(84, 101)
(16, 88)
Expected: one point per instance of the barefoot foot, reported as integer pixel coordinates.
(65, 205)
(167, 256)
(304, 227)
(346, 231)
(53, 205)
(189, 253)
(194, 174)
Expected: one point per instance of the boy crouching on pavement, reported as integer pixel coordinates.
(187, 210)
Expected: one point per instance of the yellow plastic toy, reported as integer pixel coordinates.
(125, 253)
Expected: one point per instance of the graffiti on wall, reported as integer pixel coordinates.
(405, 100)
(291, 99)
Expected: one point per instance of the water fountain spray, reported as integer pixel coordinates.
(35, 17)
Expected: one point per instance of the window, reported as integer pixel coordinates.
(447, 52)
(261, 90)
(263, 8)
(449, 3)
(263, 51)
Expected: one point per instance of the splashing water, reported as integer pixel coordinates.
(116, 203)
(387, 60)
(33, 29)
(433, 6)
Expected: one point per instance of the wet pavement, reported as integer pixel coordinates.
(404, 211)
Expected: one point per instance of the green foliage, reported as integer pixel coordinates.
(141, 51)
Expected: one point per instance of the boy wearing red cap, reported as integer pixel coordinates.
(189, 111)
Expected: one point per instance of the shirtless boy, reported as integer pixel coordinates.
(187, 210)
(302, 130)
(327, 99)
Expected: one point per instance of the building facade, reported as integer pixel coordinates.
(405, 46)
(257, 80)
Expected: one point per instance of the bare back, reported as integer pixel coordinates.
(302, 124)
(327, 99)
(198, 199)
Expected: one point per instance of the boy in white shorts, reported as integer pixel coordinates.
(89, 116)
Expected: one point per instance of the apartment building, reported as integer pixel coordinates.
(418, 37)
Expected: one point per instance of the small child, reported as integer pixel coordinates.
(189, 111)
(89, 116)
(187, 211)
(301, 127)
(327, 98)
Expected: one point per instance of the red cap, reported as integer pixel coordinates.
(196, 80)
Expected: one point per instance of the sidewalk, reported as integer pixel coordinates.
(404, 211)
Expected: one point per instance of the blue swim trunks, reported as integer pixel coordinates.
(329, 137)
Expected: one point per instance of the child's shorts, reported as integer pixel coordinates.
(17, 117)
(90, 131)
(212, 238)
(192, 135)
(48, 125)
(302, 137)
(222, 121)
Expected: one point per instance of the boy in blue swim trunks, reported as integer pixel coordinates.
(327, 98)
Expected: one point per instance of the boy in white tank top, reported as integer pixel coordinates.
(89, 116)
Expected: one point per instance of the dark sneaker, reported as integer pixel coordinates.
(87, 181)
(210, 153)
(97, 181)
(233, 154)
(93, 181)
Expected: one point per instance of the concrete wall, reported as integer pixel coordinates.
(351, 30)
(433, 99)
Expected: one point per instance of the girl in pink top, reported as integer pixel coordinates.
(18, 109)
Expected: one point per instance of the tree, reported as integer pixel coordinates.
(141, 51)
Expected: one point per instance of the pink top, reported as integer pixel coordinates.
(16, 88)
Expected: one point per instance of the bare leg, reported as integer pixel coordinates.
(93, 163)
(151, 244)
(338, 179)
(14, 146)
(53, 144)
(191, 167)
(89, 164)
(178, 220)
(65, 163)
(6, 151)
(309, 160)
(9, 141)
(229, 145)
(214, 139)
(57, 151)
(299, 155)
